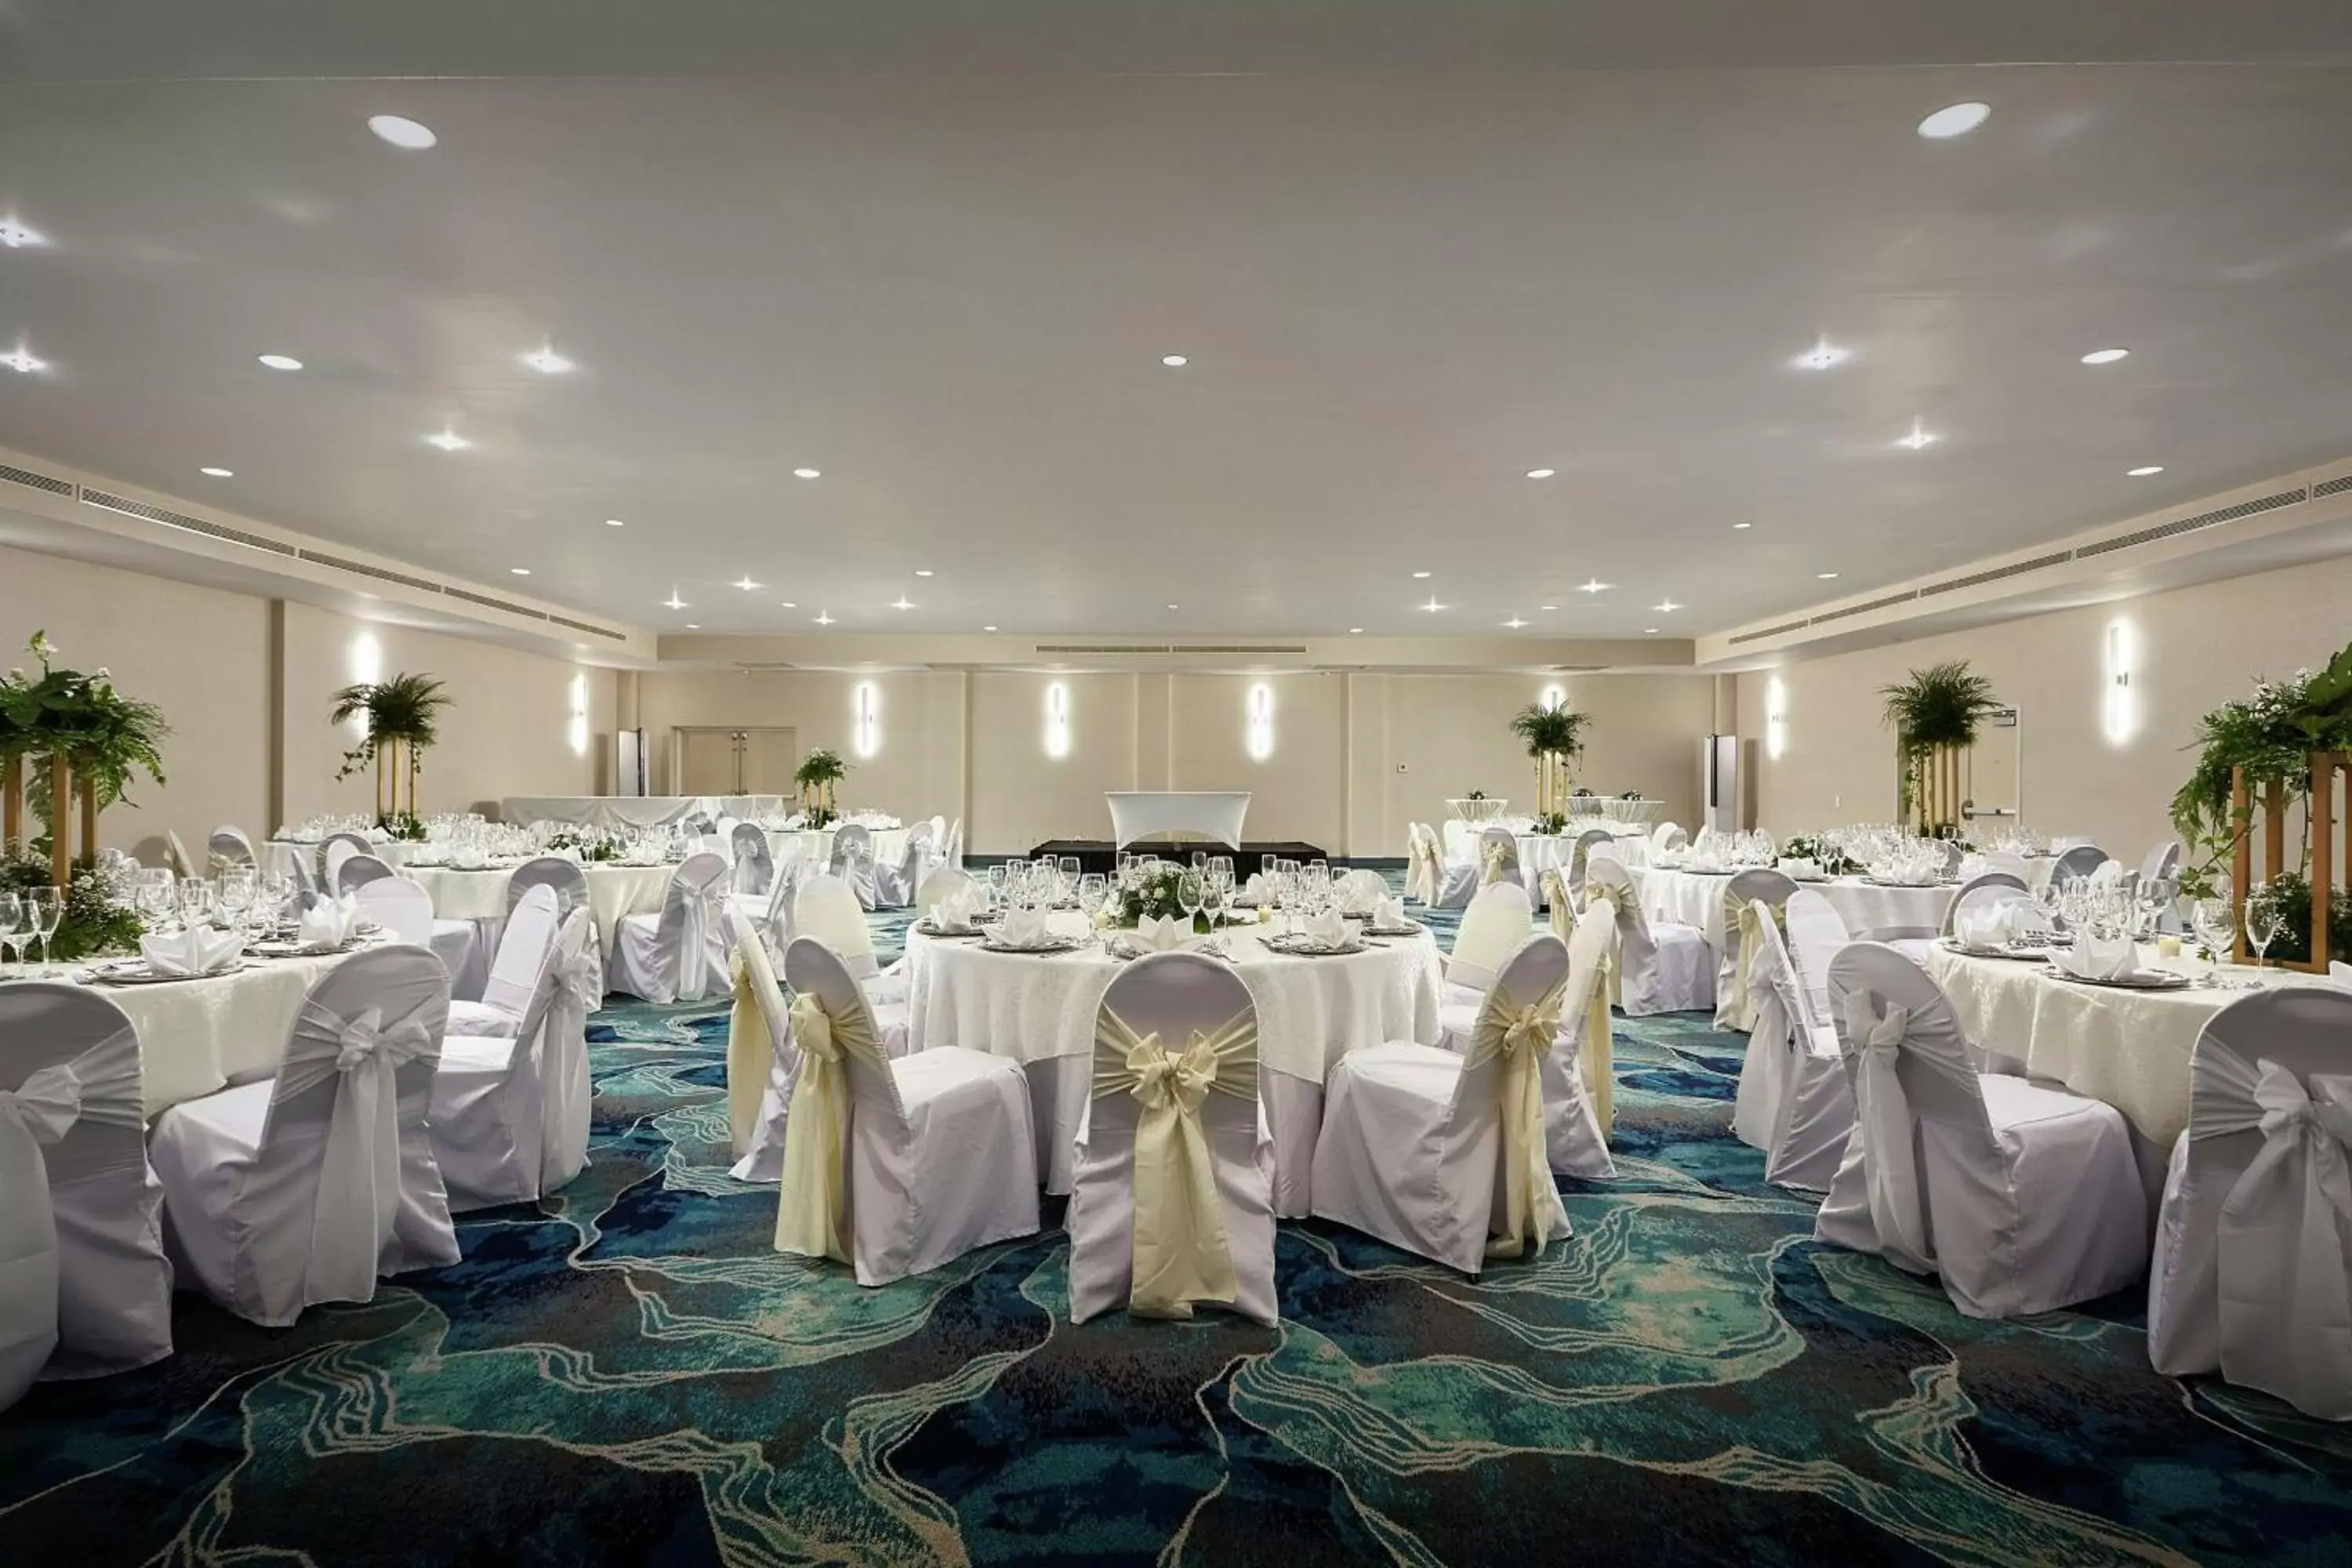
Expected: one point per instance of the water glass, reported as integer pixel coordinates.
(2265, 919)
(14, 932)
(45, 907)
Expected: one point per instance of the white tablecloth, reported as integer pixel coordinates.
(890, 845)
(1539, 851)
(633, 810)
(481, 896)
(1871, 913)
(196, 1037)
(1138, 814)
(280, 854)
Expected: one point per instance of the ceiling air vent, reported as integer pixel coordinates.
(1781, 630)
(1906, 596)
(183, 522)
(1089, 647)
(509, 606)
(319, 558)
(2335, 486)
(55, 486)
(2203, 520)
(1262, 648)
(589, 626)
(2014, 569)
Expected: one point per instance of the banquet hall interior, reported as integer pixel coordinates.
(1236, 783)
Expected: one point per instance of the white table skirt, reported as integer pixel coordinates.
(197, 1036)
(1871, 913)
(1138, 814)
(481, 897)
(890, 845)
(280, 854)
(1539, 851)
(633, 810)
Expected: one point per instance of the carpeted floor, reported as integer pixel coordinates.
(628, 1373)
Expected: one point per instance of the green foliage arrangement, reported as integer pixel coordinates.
(97, 918)
(404, 826)
(401, 707)
(1153, 893)
(592, 845)
(818, 773)
(1822, 852)
(2292, 891)
(2271, 735)
(105, 737)
(1551, 822)
(1551, 731)
(1942, 705)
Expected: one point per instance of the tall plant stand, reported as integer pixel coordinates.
(1935, 788)
(1551, 783)
(2327, 870)
(395, 779)
(12, 802)
(65, 789)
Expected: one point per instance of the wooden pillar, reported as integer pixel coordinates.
(2322, 848)
(2241, 855)
(89, 792)
(12, 802)
(60, 822)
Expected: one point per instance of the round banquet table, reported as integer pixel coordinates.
(2129, 1048)
(280, 854)
(890, 845)
(1541, 851)
(1039, 1010)
(1871, 913)
(481, 897)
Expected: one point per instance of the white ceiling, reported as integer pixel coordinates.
(939, 260)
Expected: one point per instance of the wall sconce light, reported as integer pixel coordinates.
(363, 661)
(866, 728)
(1554, 698)
(1057, 720)
(2119, 710)
(1776, 719)
(579, 727)
(1258, 733)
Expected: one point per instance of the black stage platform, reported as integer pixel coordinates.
(1101, 855)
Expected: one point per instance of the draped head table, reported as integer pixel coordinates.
(1039, 1010)
(1137, 815)
(633, 810)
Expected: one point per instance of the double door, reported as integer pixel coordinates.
(733, 760)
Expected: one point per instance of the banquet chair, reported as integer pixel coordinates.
(698, 824)
(1418, 1144)
(338, 847)
(1422, 867)
(755, 864)
(490, 1116)
(894, 886)
(228, 847)
(1667, 836)
(828, 910)
(305, 1186)
(1979, 891)
(1497, 921)
(679, 954)
(402, 908)
(1734, 1009)
(1457, 880)
(183, 865)
(356, 870)
(85, 1288)
(2082, 860)
(1815, 931)
(894, 1166)
(1360, 890)
(2023, 1197)
(2253, 1276)
(2011, 862)
(938, 887)
(1498, 858)
(1579, 1087)
(523, 947)
(1580, 862)
(761, 1064)
(1662, 967)
(563, 877)
(1171, 1198)
(853, 861)
(1795, 1102)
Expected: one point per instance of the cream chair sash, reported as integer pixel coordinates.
(1520, 1035)
(1740, 914)
(1555, 890)
(750, 1037)
(2286, 1264)
(1490, 862)
(359, 1165)
(1600, 1045)
(812, 1211)
(1884, 1111)
(1182, 1254)
(697, 913)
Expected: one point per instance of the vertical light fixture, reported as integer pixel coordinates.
(1776, 719)
(1258, 731)
(867, 713)
(1554, 698)
(1057, 720)
(2119, 711)
(363, 661)
(579, 727)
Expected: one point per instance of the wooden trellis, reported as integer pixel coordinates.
(2330, 867)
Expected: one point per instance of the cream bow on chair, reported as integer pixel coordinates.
(1555, 888)
(359, 1165)
(750, 1037)
(1520, 1035)
(1599, 1044)
(812, 1211)
(1752, 947)
(1181, 1253)
(2285, 1276)
(1882, 1110)
(1490, 863)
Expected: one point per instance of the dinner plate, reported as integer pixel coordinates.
(1889, 882)
(144, 976)
(2140, 980)
(1299, 947)
(1059, 944)
(928, 929)
(1408, 929)
(2020, 954)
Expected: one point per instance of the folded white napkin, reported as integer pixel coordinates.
(2339, 975)
(1982, 928)
(1802, 869)
(2108, 874)
(200, 950)
(1153, 934)
(1257, 890)
(954, 912)
(2098, 958)
(1022, 928)
(1388, 913)
(1329, 929)
(327, 924)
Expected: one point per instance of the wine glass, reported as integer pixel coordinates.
(13, 934)
(1214, 892)
(1094, 893)
(1190, 890)
(195, 902)
(1070, 874)
(46, 906)
(234, 896)
(2265, 919)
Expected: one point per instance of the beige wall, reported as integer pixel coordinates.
(247, 701)
(2197, 648)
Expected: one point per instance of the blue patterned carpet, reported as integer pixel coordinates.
(628, 1375)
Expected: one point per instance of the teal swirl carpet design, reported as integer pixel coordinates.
(627, 1373)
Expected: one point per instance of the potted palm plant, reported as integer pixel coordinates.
(1553, 736)
(818, 773)
(66, 734)
(1935, 714)
(403, 716)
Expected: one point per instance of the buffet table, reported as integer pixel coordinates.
(1211, 814)
(633, 810)
(1039, 1010)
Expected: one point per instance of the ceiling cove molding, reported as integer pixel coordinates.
(165, 527)
(750, 653)
(2255, 528)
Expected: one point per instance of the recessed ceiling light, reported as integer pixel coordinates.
(2106, 356)
(17, 236)
(1515, 623)
(1740, 525)
(1552, 606)
(1432, 606)
(786, 605)
(745, 583)
(281, 362)
(922, 570)
(402, 132)
(1421, 574)
(546, 361)
(614, 522)
(673, 602)
(987, 629)
(694, 626)
(824, 617)
(805, 474)
(1649, 631)
(902, 603)
(520, 571)
(1919, 438)
(1541, 473)
(2144, 471)
(1825, 577)
(1668, 608)
(1956, 120)
(219, 473)
(1823, 355)
(448, 441)
(1594, 586)
(1355, 631)
(22, 361)
(1174, 362)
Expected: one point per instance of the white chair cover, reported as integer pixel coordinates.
(1580, 860)
(336, 848)
(1663, 968)
(305, 1188)
(491, 1111)
(228, 847)
(1498, 856)
(1172, 1198)
(1734, 1006)
(755, 865)
(1424, 865)
(938, 887)
(1667, 836)
(2253, 1271)
(183, 865)
(936, 1159)
(760, 1065)
(2082, 860)
(828, 910)
(1579, 1077)
(1816, 933)
(895, 885)
(2024, 1198)
(1984, 889)
(680, 954)
(523, 945)
(565, 1089)
(1421, 1147)
(564, 876)
(84, 1285)
(1492, 928)
(400, 905)
(853, 861)
(954, 852)
(1795, 1102)
(356, 870)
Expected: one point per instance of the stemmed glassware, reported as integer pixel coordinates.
(44, 907)
(195, 902)
(235, 897)
(14, 933)
(2265, 919)
(1070, 874)
(1094, 893)
(1191, 888)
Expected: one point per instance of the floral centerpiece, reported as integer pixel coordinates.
(1554, 737)
(99, 916)
(1550, 822)
(1833, 861)
(1153, 891)
(819, 771)
(595, 845)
